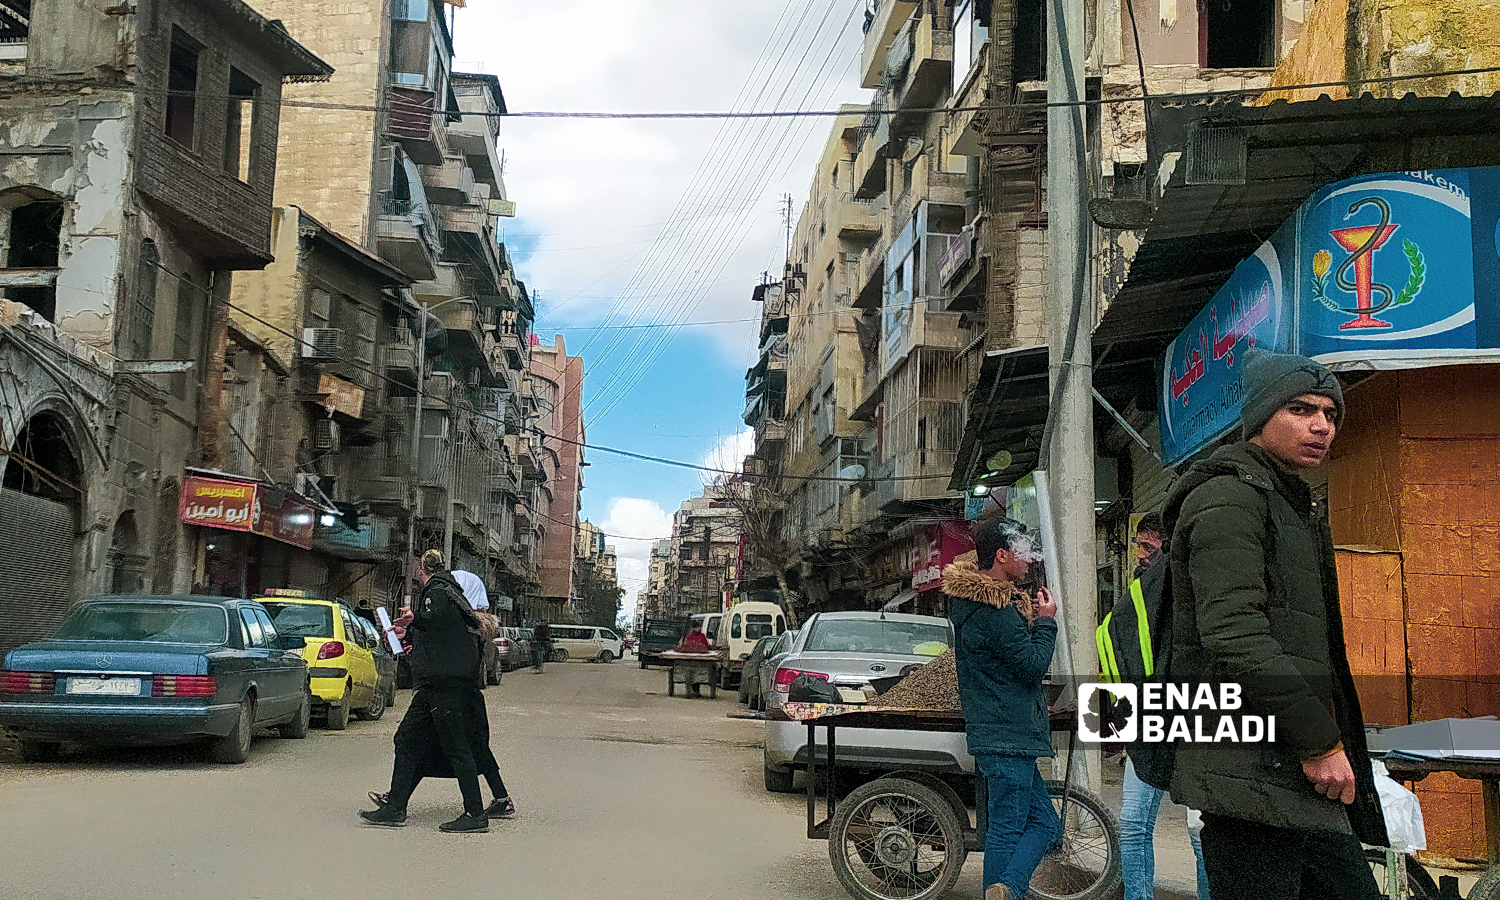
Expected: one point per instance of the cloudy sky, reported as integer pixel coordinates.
(633, 232)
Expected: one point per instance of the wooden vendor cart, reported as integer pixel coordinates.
(905, 835)
(690, 664)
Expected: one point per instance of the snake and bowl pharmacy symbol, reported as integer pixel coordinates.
(1362, 242)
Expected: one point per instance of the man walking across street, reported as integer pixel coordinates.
(1003, 646)
(445, 661)
(1255, 603)
(1125, 652)
(541, 646)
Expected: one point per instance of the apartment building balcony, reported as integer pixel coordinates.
(859, 220)
(416, 122)
(512, 344)
(467, 330)
(890, 16)
(869, 275)
(407, 239)
(450, 183)
(928, 66)
(382, 491)
(769, 430)
(398, 359)
(869, 163)
(437, 391)
(447, 281)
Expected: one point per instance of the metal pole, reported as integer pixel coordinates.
(1069, 452)
(416, 450)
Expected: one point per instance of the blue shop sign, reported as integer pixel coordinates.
(1397, 270)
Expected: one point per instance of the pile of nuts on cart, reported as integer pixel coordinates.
(933, 686)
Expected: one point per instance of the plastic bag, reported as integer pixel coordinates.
(1403, 814)
(807, 689)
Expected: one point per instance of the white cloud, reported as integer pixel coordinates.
(635, 524)
(729, 453)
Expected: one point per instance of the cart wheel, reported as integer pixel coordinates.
(1085, 864)
(1419, 883)
(713, 688)
(671, 682)
(1488, 886)
(895, 839)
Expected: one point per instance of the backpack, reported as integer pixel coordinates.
(1135, 647)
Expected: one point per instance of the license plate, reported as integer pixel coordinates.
(850, 695)
(115, 687)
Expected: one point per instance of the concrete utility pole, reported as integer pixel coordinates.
(1068, 453)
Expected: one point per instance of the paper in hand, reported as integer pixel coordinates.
(390, 636)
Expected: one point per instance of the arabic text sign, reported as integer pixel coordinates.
(242, 506)
(217, 504)
(1202, 378)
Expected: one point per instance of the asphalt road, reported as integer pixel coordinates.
(622, 792)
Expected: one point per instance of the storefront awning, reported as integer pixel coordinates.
(1230, 175)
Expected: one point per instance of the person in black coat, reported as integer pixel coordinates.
(445, 661)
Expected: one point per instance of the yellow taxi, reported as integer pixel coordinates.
(340, 651)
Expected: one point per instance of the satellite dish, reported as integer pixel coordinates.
(913, 150)
(855, 472)
(998, 461)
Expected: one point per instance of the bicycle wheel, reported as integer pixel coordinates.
(895, 839)
(1419, 884)
(1085, 864)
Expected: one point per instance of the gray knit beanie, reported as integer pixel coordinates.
(1274, 379)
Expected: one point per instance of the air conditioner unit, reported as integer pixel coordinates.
(325, 434)
(322, 343)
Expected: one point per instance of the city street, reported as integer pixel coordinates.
(622, 792)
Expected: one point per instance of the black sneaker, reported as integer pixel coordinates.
(390, 818)
(467, 823)
(500, 808)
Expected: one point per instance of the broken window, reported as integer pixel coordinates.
(182, 88)
(34, 241)
(141, 320)
(1237, 34)
(239, 127)
(15, 21)
(1030, 38)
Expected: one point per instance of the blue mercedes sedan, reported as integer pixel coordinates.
(155, 670)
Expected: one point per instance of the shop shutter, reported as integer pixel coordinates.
(36, 567)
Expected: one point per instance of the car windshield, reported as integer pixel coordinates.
(166, 623)
(296, 622)
(757, 625)
(879, 636)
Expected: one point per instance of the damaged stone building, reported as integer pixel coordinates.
(137, 162)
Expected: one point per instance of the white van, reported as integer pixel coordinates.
(585, 642)
(710, 624)
(742, 626)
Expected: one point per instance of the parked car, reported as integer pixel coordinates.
(514, 645)
(750, 673)
(588, 642)
(385, 660)
(657, 637)
(765, 678)
(340, 657)
(155, 670)
(739, 630)
(848, 649)
(709, 622)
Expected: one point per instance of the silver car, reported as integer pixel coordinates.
(849, 649)
(766, 697)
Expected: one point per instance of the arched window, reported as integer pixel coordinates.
(141, 322)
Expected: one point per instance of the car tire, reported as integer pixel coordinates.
(298, 727)
(40, 751)
(559, 656)
(744, 694)
(606, 657)
(779, 781)
(234, 747)
(338, 716)
(642, 662)
(375, 710)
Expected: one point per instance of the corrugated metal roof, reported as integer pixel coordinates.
(1200, 232)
